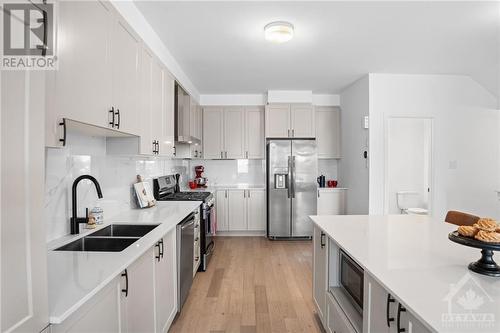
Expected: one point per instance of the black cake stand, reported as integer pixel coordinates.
(486, 265)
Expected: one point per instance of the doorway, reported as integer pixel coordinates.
(408, 170)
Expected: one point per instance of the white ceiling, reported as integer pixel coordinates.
(220, 45)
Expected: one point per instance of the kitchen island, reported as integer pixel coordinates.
(414, 277)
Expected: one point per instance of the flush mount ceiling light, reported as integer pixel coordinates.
(278, 32)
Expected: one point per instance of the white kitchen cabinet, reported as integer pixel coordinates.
(303, 124)
(139, 303)
(166, 282)
(167, 144)
(157, 109)
(254, 133)
(102, 313)
(221, 210)
(337, 321)
(87, 98)
(256, 209)
(331, 201)
(236, 210)
(278, 121)
(24, 304)
(213, 132)
(290, 121)
(328, 132)
(125, 50)
(320, 272)
(234, 132)
(146, 119)
(376, 299)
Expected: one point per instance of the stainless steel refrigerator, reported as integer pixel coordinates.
(292, 168)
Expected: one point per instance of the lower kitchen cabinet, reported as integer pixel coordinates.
(331, 201)
(165, 282)
(337, 321)
(241, 210)
(138, 300)
(100, 314)
(320, 272)
(256, 209)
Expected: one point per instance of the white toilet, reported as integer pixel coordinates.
(408, 202)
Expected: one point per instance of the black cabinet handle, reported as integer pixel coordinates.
(117, 124)
(389, 301)
(43, 20)
(322, 239)
(159, 251)
(162, 248)
(400, 309)
(63, 124)
(112, 121)
(125, 274)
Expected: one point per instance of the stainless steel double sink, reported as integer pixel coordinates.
(113, 238)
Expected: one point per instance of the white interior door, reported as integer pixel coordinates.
(408, 161)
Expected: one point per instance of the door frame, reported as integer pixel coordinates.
(430, 203)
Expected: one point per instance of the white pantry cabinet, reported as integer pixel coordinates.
(241, 210)
(24, 304)
(328, 132)
(331, 201)
(290, 121)
(233, 132)
(320, 272)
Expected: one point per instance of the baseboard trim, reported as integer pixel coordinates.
(261, 233)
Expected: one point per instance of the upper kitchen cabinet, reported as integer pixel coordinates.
(98, 75)
(147, 144)
(125, 48)
(290, 121)
(213, 132)
(167, 144)
(81, 88)
(278, 121)
(303, 124)
(328, 132)
(233, 132)
(254, 133)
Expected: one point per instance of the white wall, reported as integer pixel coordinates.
(466, 137)
(353, 167)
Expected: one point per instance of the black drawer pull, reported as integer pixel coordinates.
(112, 121)
(159, 251)
(389, 301)
(118, 118)
(162, 248)
(322, 239)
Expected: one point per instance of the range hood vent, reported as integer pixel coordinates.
(183, 117)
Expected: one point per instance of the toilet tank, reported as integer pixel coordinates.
(408, 199)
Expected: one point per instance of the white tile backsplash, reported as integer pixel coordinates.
(228, 172)
(87, 155)
(329, 168)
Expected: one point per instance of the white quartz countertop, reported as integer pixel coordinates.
(412, 257)
(74, 277)
(332, 188)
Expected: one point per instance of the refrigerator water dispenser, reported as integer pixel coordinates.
(280, 180)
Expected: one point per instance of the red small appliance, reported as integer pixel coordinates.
(199, 179)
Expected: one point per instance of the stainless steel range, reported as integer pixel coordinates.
(166, 188)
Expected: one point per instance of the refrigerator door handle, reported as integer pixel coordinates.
(289, 185)
(293, 177)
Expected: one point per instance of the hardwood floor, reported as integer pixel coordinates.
(252, 285)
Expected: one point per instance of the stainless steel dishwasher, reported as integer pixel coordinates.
(185, 252)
